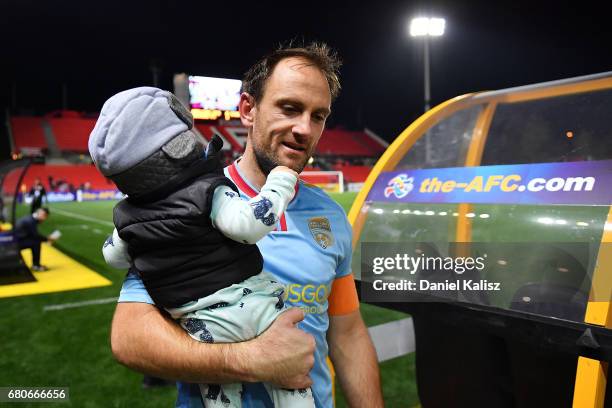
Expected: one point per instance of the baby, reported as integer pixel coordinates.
(184, 229)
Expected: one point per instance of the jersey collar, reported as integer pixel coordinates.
(245, 186)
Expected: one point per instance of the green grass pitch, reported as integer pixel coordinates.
(71, 347)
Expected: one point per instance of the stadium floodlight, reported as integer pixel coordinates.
(425, 26)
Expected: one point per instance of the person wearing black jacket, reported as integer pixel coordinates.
(28, 237)
(38, 193)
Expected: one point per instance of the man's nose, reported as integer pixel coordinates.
(302, 126)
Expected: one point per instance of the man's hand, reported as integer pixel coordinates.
(147, 341)
(54, 236)
(283, 354)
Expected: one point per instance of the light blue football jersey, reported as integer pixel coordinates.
(310, 248)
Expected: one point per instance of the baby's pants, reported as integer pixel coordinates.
(233, 314)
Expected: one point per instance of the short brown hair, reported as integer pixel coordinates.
(318, 54)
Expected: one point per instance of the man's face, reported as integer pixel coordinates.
(41, 215)
(290, 117)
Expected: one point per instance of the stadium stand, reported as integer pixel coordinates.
(72, 133)
(229, 142)
(72, 174)
(27, 133)
(63, 135)
(374, 142)
(334, 142)
(340, 142)
(353, 174)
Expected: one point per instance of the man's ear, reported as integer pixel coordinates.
(246, 106)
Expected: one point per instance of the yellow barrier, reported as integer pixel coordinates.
(64, 274)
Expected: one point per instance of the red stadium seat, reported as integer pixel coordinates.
(372, 144)
(72, 133)
(229, 141)
(309, 168)
(27, 132)
(348, 143)
(354, 174)
(73, 174)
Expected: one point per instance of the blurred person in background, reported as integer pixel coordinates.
(2, 215)
(28, 237)
(38, 193)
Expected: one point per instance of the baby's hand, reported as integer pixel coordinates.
(284, 169)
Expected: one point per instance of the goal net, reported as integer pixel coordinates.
(330, 181)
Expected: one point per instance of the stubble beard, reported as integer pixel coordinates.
(268, 161)
(265, 162)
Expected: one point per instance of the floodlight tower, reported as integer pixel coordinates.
(427, 27)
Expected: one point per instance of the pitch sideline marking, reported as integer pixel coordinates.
(83, 217)
(63, 306)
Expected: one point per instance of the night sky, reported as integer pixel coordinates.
(98, 48)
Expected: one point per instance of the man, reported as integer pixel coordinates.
(28, 237)
(2, 216)
(286, 102)
(38, 193)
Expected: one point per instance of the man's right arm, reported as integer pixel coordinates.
(147, 341)
(144, 339)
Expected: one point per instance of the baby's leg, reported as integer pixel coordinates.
(291, 398)
(282, 397)
(236, 313)
(222, 396)
(213, 395)
(232, 314)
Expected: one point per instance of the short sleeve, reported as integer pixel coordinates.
(343, 298)
(344, 268)
(133, 290)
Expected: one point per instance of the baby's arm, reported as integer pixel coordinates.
(249, 221)
(115, 252)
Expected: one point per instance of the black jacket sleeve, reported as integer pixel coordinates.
(27, 230)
